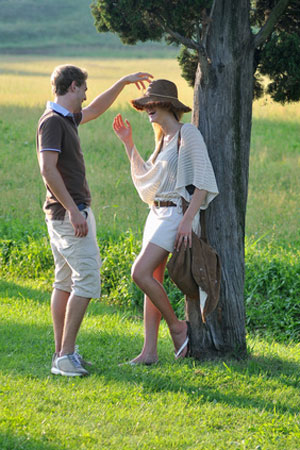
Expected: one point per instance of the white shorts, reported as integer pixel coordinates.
(162, 225)
(77, 259)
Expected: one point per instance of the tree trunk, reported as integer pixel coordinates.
(222, 111)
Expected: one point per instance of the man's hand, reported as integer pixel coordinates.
(78, 223)
(138, 78)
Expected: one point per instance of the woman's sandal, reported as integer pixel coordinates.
(184, 345)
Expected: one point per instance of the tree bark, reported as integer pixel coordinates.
(222, 111)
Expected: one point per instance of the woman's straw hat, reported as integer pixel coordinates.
(161, 93)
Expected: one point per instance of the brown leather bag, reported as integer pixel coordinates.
(198, 266)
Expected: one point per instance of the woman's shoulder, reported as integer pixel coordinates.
(189, 129)
(190, 133)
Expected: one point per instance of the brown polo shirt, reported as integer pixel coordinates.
(59, 133)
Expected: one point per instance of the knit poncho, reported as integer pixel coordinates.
(170, 174)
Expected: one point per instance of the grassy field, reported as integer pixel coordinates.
(252, 404)
(53, 27)
(274, 185)
(225, 405)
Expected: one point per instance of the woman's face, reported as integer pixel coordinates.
(157, 114)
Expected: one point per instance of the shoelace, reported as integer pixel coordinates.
(82, 361)
(76, 352)
(75, 360)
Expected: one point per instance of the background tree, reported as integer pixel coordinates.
(226, 46)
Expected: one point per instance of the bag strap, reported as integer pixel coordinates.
(185, 204)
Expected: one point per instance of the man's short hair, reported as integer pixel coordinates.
(63, 76)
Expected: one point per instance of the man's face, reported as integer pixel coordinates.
(80, 96)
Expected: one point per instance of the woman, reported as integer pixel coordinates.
(179, 167)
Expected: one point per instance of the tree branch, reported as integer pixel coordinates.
(207, 24)
(190, 43)
(268, 27)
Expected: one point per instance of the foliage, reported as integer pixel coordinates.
(188, 61)
(272, 287)
(148, 20)
(280, 61)
(278, 57)
(118, 256)
(289, 21)
(272, 282)
(31, 257)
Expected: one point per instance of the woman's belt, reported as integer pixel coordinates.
(161, 203)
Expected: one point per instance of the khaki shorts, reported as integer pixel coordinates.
(77, 259)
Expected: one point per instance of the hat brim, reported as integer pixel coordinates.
(151, 100)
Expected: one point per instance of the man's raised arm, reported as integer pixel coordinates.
(101, 103)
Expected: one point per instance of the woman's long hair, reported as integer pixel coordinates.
(159, 135)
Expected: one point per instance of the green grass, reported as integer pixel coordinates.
(216, 405)
(274, 186)
(251, 404)
(274, 183)
(115, 201)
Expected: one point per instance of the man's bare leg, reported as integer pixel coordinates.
(59, 300)
(76, 308)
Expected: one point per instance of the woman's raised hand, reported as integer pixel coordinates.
(124, 132)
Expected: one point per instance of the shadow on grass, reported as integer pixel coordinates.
(172, 376)
(15, 290)
(11, 441)
(287, 372)
(24, 347)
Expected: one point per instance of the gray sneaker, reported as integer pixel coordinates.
(69, 366)
(82, 361)
(54, 369)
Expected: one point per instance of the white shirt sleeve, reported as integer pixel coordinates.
(145, 176)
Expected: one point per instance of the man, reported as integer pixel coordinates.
(70, 221)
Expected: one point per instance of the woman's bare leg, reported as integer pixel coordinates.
(151, 257)
(152, 318)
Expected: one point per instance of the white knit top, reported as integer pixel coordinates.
(168, 176)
